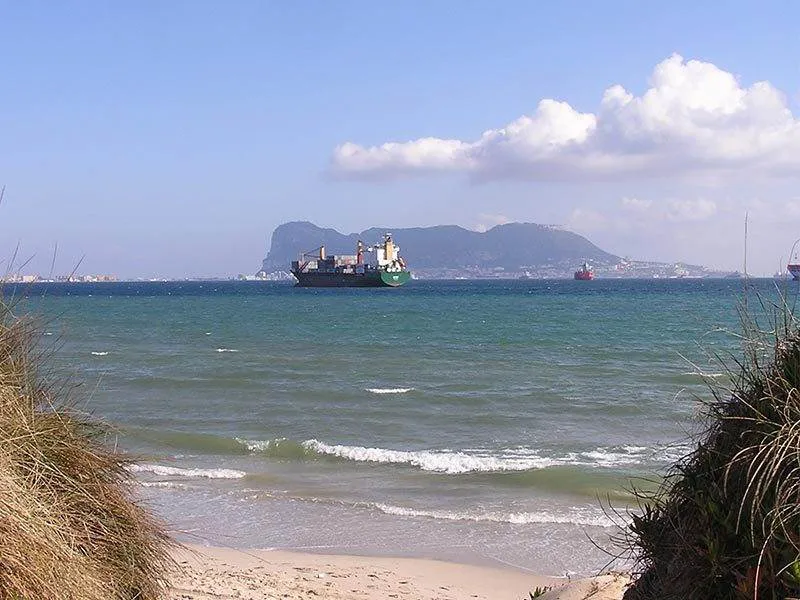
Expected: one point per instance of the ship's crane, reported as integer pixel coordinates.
(310, 256)
(387, 257)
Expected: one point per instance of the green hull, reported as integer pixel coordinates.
(371, 278)
(395, 279)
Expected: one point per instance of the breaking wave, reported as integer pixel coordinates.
(281, 448)
(577, 517)
(226, 350)
(441, 461)
(702, 374)
(162, 484)
(165, 471)
(99, 353)
(389, 390)
(517, 459)
(509, 459)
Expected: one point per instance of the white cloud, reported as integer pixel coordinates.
(587, 220)
(425, 154)
(691, 210)
(636, 214)
(489, 221)
(694, 118)
(636, 204)
(696, 230)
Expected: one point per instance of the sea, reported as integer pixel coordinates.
(488, 422)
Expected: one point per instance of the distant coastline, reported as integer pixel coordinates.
(508, 251)
(655, 272)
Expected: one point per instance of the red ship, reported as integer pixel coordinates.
(585, 273)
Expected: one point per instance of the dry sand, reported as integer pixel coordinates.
(221, 573)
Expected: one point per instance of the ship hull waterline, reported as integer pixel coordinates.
(369, 279)
(794, 270)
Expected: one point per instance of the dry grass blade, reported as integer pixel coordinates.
(68, 525)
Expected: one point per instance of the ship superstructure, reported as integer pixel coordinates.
(585, 273)
(384, 268)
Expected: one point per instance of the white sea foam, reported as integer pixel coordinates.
(162, 484)
(702, 374)
(99, 353)
(480, 460)
(621, 456)
(48, 333)
(673, 452)
(260, 445)
(433, 460)
(389, 390)
(165, 471)
(226, 350)
(477, 460)
(576, 516)
(608, 457)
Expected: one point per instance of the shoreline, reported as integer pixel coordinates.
(204, 572)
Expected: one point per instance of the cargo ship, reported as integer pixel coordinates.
(585, 273)
(386, 269)
(794, 264)
(794, 268)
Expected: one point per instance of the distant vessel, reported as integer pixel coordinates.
(585, 273)
(794, 268)
(316, 269)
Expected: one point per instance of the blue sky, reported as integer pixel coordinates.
(171, 138)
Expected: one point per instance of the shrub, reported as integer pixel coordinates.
(725, 524)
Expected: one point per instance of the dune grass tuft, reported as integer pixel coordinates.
(725, 524)
(69, 528)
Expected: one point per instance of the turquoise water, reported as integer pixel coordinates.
(476, 421)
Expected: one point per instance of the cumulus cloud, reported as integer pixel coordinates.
(693, 118)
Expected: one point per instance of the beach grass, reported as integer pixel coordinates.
(69, 527)
(725, 523)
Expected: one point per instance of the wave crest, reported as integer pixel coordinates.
(470, 460)
(172, 485)
(577, 517)
(165, 471)
(441, 461)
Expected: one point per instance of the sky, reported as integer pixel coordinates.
(169, 139)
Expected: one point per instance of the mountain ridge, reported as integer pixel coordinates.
(512, 247)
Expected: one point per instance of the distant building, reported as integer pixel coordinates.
(85, 278)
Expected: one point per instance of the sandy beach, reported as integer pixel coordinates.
(204, 573)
